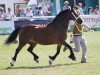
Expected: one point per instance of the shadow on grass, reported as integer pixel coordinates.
(39, 67)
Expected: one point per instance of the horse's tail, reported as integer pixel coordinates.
(12, 36)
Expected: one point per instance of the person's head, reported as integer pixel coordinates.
(9, 9)
(80, 5)
(66, 3)
(27, 9)
(40, 8)
(36, 8)
(90, 9)
(1, 9)
(18, 6)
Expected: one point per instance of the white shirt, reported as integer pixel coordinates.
(10, 15)
(2, 15)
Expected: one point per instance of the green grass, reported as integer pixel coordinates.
(25, 65)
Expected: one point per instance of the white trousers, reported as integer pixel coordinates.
(80, 41)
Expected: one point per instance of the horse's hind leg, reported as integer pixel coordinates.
(16, 53)
(31, 47)
(52, 58)
(71, 56)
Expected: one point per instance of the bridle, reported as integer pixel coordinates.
(73, 13)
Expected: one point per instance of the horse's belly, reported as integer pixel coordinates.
(44, 41)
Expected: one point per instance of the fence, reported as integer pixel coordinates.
(6, 27)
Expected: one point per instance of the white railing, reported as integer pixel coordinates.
(30, 18)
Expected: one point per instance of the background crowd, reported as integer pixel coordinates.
(44, 9)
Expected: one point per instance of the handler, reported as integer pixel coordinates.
(78, 39)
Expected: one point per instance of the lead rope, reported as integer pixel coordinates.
(78, 28)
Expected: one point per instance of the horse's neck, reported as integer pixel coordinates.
(65, 24)
(60, 25)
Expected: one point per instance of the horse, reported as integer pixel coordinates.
(53, 33)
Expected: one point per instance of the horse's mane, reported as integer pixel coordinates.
(59, 17)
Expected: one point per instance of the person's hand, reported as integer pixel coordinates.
(91, 30)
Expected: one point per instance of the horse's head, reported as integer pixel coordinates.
(77, 18)
(65, 15)
(70, 14)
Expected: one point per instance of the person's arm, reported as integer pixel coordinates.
(86, 26)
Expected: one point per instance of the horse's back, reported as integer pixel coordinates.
(38, 35)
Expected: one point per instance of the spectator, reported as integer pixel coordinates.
(9, 15)
(39, 3)
(17, 11)
(66, 5)
(98, 12)
(85, 9)
(49, 10)
(23, 14)
(38, 12)
(77, 10)
(80, 8)
(45, 13)
(95, 11)
(90, 10)
(29, 13)
(2, 13)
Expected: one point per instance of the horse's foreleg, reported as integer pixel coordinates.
(71, 56)
(31, 47)
(52, 58)
(16, 53)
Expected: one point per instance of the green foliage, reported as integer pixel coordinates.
(25, 65)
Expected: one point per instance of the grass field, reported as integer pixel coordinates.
(25, 65)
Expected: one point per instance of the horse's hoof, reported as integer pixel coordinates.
(50, 61)
(12, 62)
(37, 60)
(72, 57)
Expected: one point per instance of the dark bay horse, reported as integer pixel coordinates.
(54, 33)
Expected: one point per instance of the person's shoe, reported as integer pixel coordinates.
(83, 61)
(64, 49)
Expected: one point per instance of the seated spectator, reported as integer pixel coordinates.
(66, 5)
(9, 15)
(29, 13)
(95, 10)
(23, 14)
(2, 13)
(17, 11)
(90, 11)
(98, 12)
(85, 9)
(49, 10)
(45, 13)
(38, 12)
(47, 7)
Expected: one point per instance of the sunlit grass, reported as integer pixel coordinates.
(25, 65)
